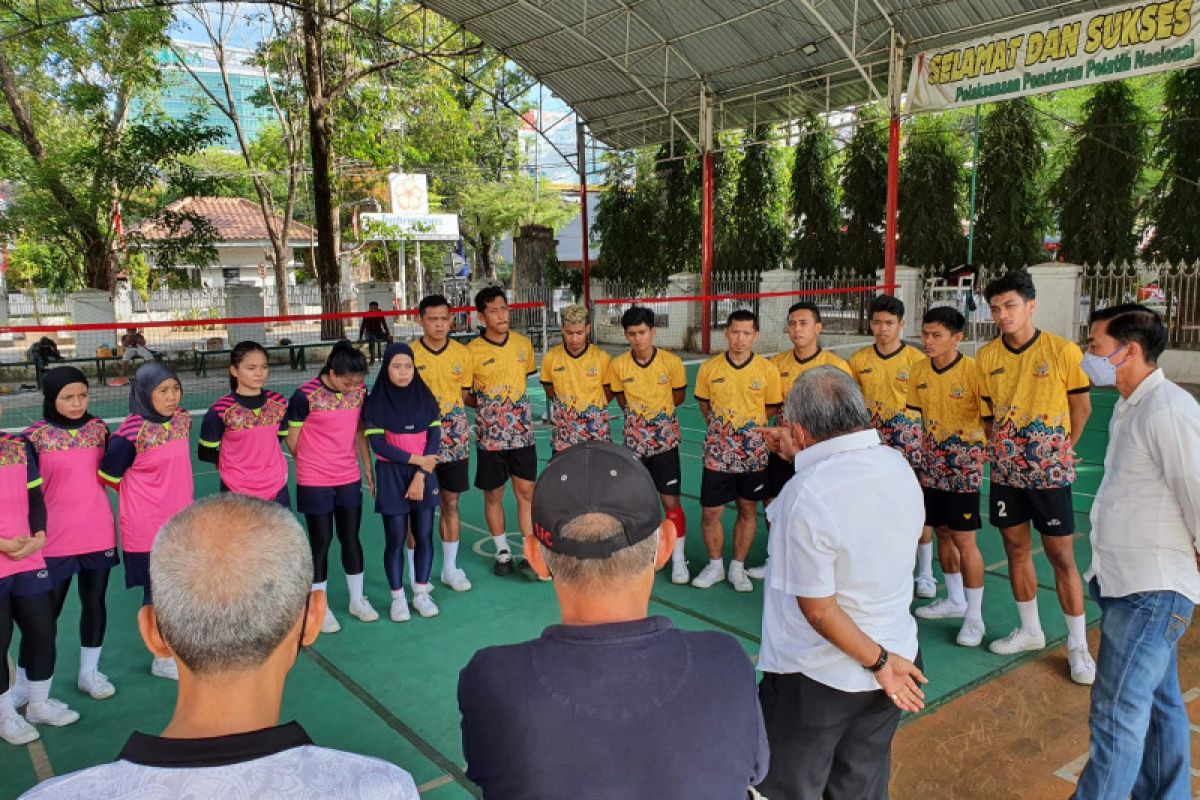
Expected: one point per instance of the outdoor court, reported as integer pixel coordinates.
(994, 727)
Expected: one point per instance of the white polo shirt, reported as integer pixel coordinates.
(846, 525)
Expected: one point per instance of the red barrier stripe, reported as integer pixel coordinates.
(196, 323)
(696, 298)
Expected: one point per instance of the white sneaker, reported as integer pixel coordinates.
(330, 624)
(1018, 641)
(424, 605)
(941, 609)
(971, 633)
(164, 668)
(19, 694)
(399, 612)
(50, 712)
(713, 573)
(15, 730)
(926, 587)
(362, 609)
(456, 580)
(1083, 668)
(740, 582)
(679, 571)
(96, 685)
(757, 573)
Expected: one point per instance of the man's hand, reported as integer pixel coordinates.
(899, 679)
(780, 442)
(416, 488)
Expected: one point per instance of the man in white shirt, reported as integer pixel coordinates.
(838, 641)
(232, 605)
(1144, 575)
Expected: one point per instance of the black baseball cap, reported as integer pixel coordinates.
(601, 478)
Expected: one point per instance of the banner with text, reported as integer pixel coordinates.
(1117, 42)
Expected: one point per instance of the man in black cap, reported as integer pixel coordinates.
(611, 703)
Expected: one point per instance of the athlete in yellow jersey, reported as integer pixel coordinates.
(649, 384)
(501, 363)
(738, 392)
(445, 366)
(1038, 394)
(945, 390)
(573, 375)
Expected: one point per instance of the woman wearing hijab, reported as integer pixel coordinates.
(148, 462)
(81, 538)
(403, 428)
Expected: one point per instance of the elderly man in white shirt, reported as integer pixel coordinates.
(1144, 575)
(838, 641)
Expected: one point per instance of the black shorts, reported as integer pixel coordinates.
(779, 472)
(719, 488)
(323, 499)
(137, 569)
(65, 567)
(24, 584)
(493, 467)
(454, 476)
(1050, 510)
(958, 511)
(664, 469)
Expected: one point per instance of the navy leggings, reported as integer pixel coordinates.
(93, 611)
(34, 615)
(320, 535)
(395, 529)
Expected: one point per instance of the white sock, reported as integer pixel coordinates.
(975, 603)
(1076, 632)
(397, 594)
(925, 560)
(89, 660)
(354, 584)
(501, 542)
(39, 691)
(1030, 622)
(22, 679)
(323, 586)
(736, 566)
(677, 553)
(7, 709)
(954, 588)
(422, 588)
(716, 562)
(449, 557)
(408, 563)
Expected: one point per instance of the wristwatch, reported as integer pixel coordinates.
(879, 664)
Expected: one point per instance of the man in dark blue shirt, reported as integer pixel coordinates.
(611, 703)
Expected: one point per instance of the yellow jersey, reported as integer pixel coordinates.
(884, 381)
(650, 423)
(503, 419)
(790, 367)
(952, 410)
(738, 397)
(447, 372)
(1026, 391)
(579, 410)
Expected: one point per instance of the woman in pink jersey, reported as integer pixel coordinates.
(242, 431)
(26, 596)
(148, 461)
(326, 441)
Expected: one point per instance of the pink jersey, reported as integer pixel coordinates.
(151, 465)
(326, 453)
(250, 460)
(79, 517)
(18, 474)
(411, 443)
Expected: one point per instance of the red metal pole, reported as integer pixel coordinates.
(706, 250)
(893, 202)
(583, 214)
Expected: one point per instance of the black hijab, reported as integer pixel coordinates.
(53, 382)
(149, 377)
(401, 410)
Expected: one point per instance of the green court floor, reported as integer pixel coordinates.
(389, 690)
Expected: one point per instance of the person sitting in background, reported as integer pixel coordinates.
(133, 345)
(374, 331)
(44, 351)
(233, 606)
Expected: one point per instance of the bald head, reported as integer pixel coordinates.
(230, 576)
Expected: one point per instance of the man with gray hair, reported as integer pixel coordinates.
(838, 641)
(611, 703)
(232, 604)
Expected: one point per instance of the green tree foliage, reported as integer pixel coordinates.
(864, 194)
(1175, 208)
(727, 162)
(678, 217)
(627, 215)
(757, 214)
(1009, 205)
(1095, 194)
(931, 190)
(813, 199)
(492, 209)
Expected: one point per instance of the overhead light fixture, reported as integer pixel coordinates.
(809, 49)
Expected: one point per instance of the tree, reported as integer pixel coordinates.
(1008, 227)
(813, 199)
(1175, 207)
(495, 208)
(1095, 194)
(757, 213)
(864, 194)
(678, 215)
(626, 217)
(931, 183)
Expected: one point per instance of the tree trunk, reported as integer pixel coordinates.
(531, 250)
(484, 254)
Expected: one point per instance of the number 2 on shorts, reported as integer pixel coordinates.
(1001, 509)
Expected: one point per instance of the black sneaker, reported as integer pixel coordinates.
(525, 569)
(504, 564)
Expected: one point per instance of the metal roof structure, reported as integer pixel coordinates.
(635, 70)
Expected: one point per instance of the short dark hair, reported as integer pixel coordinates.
(1017, 280)
(637, 315)
(373, 304)
(486, 295)
(345, 359)
(805, 305)
(238, 354)
(886, 304)
(432, 301)
(947, 316)
(1131, 322)
(743, 315)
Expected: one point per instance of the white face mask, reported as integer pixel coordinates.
(1099, 369)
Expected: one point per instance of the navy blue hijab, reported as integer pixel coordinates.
(149, 377)
(401, 410)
